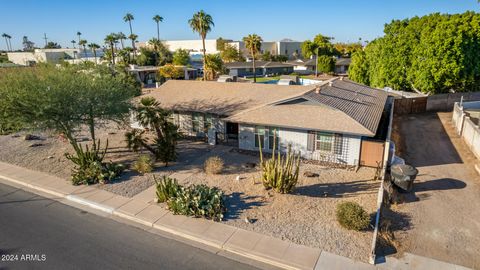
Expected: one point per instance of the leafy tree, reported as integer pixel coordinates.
(64, 99)
(266, 56)
(124, 56)
(231, 54)
(347, 49)
(181, 57)
(221, 44)
(157, 19)
(52, 45)
(213, 66)
(253, 43)
(157, 56)
(202, 23)
(170, 71)
(436, 53)
(326, 64)
(151, 115)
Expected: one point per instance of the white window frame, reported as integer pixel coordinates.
(332, 142)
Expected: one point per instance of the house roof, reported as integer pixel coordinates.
(343, 61)
(219, 97)
(259, 64)
(311, 62)
(344, 106)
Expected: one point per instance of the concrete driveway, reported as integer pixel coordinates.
(442, 216)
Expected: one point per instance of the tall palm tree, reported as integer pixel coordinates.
(94, 47)
(121, 37)
(79, 36)
(134, 38)
(156, 45)
(202, 23)
(83, 43)
(110, 40)
(253, 43)
(73, 43)
(5, 35)
(158, 19)
(129, 18)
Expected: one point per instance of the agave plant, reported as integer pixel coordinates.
(280, 172)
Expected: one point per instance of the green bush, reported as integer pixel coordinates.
(352, 216)
(90, 168)
(167, 188)
(213, 165)
(194, 200)
(143, 165)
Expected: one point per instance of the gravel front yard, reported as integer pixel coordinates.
(307, 216)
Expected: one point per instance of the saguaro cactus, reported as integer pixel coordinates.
(280, 172)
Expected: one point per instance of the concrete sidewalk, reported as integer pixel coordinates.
(216, 236)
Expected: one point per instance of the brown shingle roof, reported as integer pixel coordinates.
(221, 98)
(345, 106)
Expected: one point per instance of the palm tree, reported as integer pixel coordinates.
(213, 65)
(253, 43)
(129, 18)
(94, 47)
(158, 19)
(121, 36)
(110, 40)
(156, 45)
(83, 43)
(202, 23)
(134, 38)
(73, 43)
(6, 36)
(79, 36)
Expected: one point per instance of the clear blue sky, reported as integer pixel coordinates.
(273, 20)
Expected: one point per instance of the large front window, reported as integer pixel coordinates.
(208, 123)
(197, 118)
(273, 138)
(259, 136)
(324, 142)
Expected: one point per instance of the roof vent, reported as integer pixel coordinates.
(330, 84)
(317, 89)
(341, 78)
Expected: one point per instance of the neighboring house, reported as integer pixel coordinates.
(292, 49)
(329, 121)
(194, 46)
(148, 74)
(303, 66)
(262, 68)
(342, 65)
(41, 56)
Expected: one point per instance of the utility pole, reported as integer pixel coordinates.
(46, 40)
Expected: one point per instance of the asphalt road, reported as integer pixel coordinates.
(39, 233)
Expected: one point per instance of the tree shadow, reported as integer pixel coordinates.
(237, 203)
(338, 190)
(426, 141)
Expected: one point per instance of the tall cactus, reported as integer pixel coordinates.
(280, 172)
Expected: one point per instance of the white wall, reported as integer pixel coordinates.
(298, 140)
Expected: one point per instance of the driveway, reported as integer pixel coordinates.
(444, 211)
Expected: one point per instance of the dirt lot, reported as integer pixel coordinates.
(444, 211)
(306, 217)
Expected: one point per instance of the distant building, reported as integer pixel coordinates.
(262, 68)
(41, 56)
(147, 75)
(287, 47)
(342, 65)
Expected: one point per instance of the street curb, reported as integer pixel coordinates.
(90, 204)
(112, 211)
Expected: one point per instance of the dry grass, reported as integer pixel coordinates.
(213, 165)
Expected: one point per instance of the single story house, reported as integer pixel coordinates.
(262, 68)
(148, 74)
(328, 121)
(342, 65)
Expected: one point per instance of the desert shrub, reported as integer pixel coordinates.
(90, 168)
(213, 165)
(280, 172)
(167, 188)
(143, 164)
(194, 200)
(352, 216)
